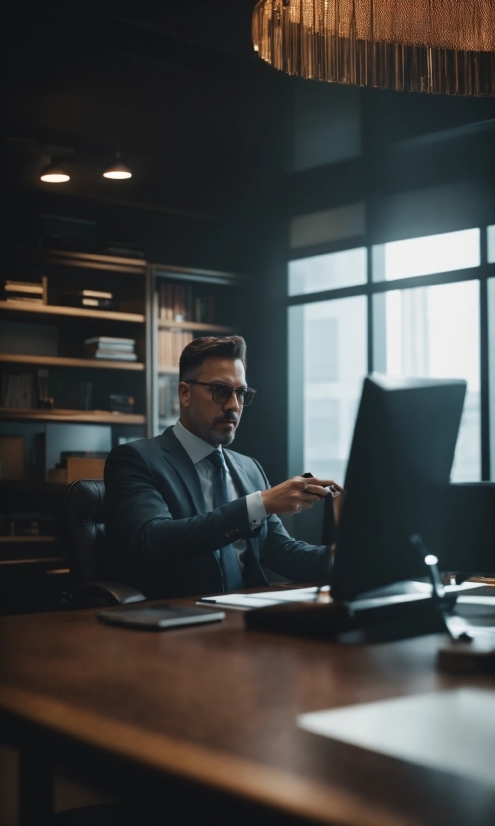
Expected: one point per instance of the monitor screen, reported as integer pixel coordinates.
(398, 470)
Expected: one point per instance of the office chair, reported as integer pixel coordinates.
(83, 537)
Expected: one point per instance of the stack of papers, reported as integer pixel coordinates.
(262, 600)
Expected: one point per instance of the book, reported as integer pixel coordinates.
(110, 340)
(112, 355)
(27, 299)
(23, 287)
(101, 303)
(18, 390)
(170, 346)
(89, 294)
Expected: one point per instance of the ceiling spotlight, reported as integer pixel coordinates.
(54, 174)
(117, 170)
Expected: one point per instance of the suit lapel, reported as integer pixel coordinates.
(184, 467)
(241, 481)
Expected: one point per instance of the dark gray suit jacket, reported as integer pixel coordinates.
(161, 539)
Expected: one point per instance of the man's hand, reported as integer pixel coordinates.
(297, 494)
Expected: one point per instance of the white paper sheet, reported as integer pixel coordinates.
(261, 600)
(452, 731)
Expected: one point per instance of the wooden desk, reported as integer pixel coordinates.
(214, 708)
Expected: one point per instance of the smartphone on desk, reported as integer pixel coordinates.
(157, 617)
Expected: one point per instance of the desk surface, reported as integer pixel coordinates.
(218, 705)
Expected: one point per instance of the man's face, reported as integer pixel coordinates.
(213, 422)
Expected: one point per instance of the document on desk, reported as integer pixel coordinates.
(451, 730)
(262, 599)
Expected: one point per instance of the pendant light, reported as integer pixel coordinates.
(409, 45)
(117, 171)
(54, 173)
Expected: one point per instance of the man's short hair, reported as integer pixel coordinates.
(200, 349)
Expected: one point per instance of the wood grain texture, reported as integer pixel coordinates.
(65, 361)
(218, 705)
(73, 312)
(56, 415)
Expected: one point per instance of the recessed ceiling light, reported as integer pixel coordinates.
(54, 174)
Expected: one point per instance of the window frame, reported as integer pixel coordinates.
(481, 274)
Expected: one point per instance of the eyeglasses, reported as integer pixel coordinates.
(221, 393)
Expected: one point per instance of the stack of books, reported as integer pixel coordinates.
(170, 345)
(113, 349)
(90, 298)
(178, 303)
(26, 292)
(26, 524)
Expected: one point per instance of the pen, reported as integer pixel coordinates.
(333, 490)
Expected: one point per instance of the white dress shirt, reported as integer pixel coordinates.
(198, 450)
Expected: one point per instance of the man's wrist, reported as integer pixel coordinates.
(255, 509)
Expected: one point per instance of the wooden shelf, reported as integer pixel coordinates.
(86, 416)
(194, 326)
(62, 361)
(72, 312)
(42, 560)
(84, 260)
(168, 371)
(16, 539)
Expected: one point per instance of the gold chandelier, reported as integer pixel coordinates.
(413, 45)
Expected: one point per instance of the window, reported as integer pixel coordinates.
(425, 256)
(325, 272)
(490, 233)
(434, 332)
(491, 369)
(331, 335)
(431, 327)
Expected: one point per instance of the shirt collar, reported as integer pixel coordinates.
(197, 449)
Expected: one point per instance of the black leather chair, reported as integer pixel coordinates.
(83, 538)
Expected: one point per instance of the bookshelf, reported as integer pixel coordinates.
(49, 336)
(44, 342)
(185, 303)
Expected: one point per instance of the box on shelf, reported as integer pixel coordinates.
(13, 458)
(84, 468)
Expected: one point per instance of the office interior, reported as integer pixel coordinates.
(341, 230)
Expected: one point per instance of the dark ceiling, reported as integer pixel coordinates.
(176, 87)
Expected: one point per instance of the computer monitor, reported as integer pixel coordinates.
(399, 467)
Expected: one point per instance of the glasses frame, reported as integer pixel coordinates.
(213, 385)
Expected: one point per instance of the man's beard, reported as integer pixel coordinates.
(212, 435)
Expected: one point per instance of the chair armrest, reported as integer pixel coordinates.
(100, 594)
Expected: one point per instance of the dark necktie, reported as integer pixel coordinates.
(230, 566)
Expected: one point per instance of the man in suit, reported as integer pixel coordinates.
(185, 516)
